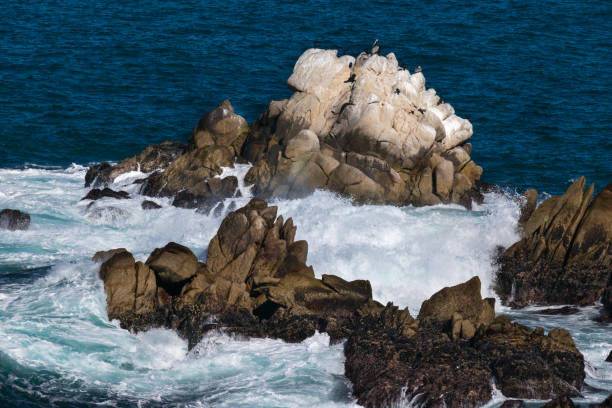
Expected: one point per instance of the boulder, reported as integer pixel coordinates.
(565, 254)
(365, 128)
(96, 194)
(14, 220)
(130, 287)
(173, 264)
(461, 304)
(220, 127)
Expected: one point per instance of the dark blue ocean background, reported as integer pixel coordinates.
(90, 81)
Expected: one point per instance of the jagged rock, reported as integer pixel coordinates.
(13, 220)
(565, 254)
(607, 403)
(150, 205)
(256, 283)
(560, 402)
(96, 194)
(220, 127)
(609, 358)
(531, 202)
(364, 128)
(152, 158)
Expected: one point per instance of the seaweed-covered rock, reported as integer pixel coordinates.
(565, 254)
(13, 220)
(363, 127)
(430, 366)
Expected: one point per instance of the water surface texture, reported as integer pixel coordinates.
(91, 81)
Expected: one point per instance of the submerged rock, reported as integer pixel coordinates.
(565, 254)
(96, 194)
(363, 127)
(14, 220)
(560, 402)
(150, 205)
(256, 283)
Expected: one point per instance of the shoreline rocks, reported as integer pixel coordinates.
(565, 254)
(256, 283)
(14, 220)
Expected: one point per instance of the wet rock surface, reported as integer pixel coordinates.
(365, 128)
(97, 194)
(256, 283)
(14, 220)
(565, 254)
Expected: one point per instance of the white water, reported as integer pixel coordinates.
(57, 340)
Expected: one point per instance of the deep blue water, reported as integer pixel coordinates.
(90, 81)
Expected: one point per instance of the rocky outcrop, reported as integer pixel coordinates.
(565, 254)
(256, 283)
(14, 220)
(362, 127)
(153, 158)
(442, 364)
(189, 173)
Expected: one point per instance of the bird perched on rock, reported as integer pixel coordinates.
(375, 48)
(418, 69)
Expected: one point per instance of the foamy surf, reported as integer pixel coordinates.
(55, 337)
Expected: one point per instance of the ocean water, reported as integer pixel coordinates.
(86, 82)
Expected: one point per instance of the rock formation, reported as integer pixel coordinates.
(13, 220)
(565, 254)
(256, 283)
(362, 127)
(96, 194)
(189, 173)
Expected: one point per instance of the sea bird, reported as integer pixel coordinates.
(418, 69)
(375, 47)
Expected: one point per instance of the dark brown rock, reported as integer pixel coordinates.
(150, 205)
(14, 220)
(96, 194)
(512, 403)
(609, 358)
(565, 310)
(565, 255)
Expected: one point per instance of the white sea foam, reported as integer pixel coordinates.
(58, 323)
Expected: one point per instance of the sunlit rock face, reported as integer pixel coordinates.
(362, 127)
